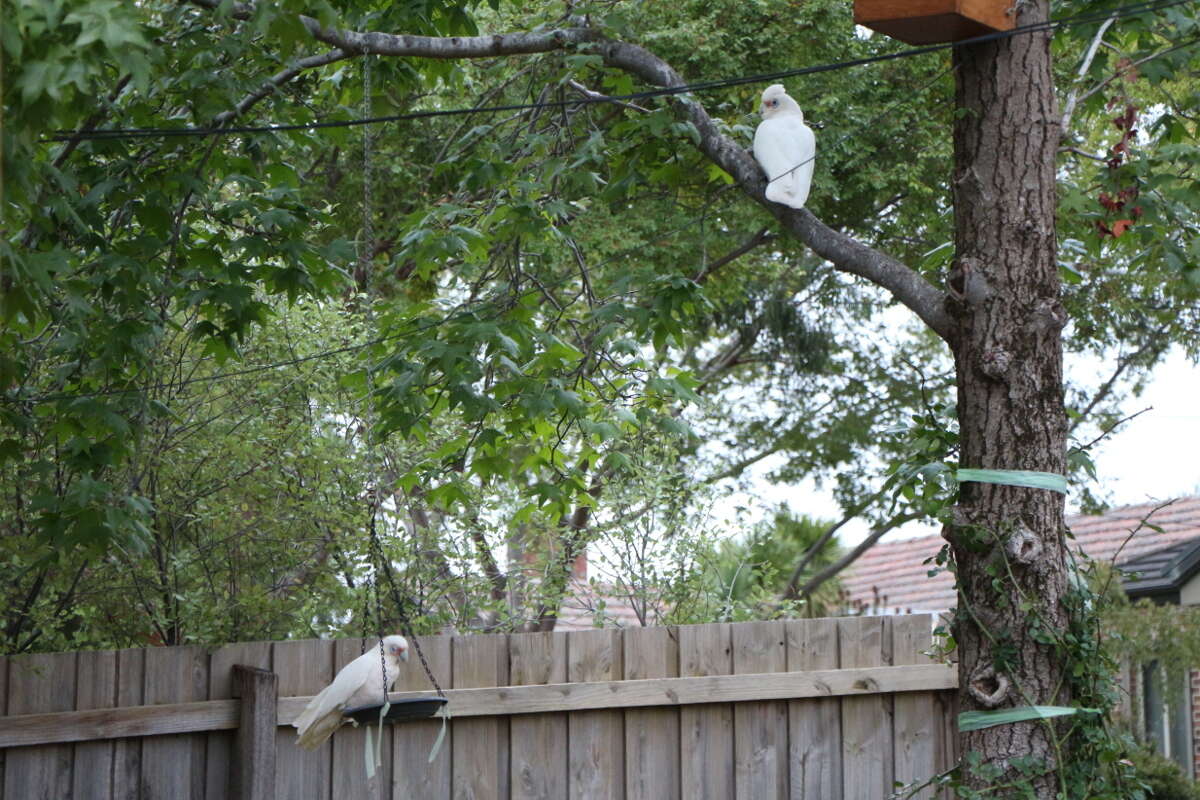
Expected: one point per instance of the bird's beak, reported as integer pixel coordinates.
(404, 654)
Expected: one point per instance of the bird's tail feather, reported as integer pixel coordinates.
(314, 735)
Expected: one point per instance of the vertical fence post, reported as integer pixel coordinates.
(252, 774)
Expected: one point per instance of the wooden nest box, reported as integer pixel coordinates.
(934, 21)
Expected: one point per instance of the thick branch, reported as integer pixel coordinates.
(845, 253)
(453, 47)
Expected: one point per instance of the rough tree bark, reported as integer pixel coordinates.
(1004, 297)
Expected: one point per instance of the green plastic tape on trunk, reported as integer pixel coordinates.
(1015, 477)
(978, 720)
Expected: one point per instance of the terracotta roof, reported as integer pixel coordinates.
(892, 578)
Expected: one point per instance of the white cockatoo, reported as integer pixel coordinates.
(785, 148)
(359, 683)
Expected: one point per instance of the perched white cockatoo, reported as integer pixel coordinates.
(359, 683)
(785, 148)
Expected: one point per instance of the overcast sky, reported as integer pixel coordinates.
(1156, 456)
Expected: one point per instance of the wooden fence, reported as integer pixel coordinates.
(831, 709)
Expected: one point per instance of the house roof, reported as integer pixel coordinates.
(892, 577)
(1162, 573)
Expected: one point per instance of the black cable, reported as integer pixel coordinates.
(1048, 25)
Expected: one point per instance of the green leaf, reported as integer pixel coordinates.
(1015, 477)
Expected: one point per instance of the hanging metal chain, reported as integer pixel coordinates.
(366, 255)
(366, 247)
(406, 626)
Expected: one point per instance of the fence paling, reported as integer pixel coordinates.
(649, 711)
(213, 715)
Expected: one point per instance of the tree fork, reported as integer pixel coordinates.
(1004, 297)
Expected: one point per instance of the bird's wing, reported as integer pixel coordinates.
(784, 147)
(808, 154)
(334, 696)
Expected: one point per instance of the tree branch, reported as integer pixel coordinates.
(848, 559)
(754, 241)
(278, 79)
(1073, 98)
(586, 92)
(242, 11)
(845, 253)
(1124, 69)
(453, 47)
(792, 591)
(1156, 343)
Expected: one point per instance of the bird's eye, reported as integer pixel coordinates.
(774, 102)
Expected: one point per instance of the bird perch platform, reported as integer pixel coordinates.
(400, 710)
(935, 21)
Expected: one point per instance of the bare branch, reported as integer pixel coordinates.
(792, 591)
(242, 11)
(1142, 523)
(754, 241)
(1083, 153)
(1156, 343)
(586, 92)
(278, 79)
(833, 569)
(1073, 98)
(1108, 431)
(1123, 69)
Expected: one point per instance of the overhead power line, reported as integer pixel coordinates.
(703, 86)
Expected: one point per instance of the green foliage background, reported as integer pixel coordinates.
(202, 382)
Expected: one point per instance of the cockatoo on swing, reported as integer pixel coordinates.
(785, 148)
(359, 683)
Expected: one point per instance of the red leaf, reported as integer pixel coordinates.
(1120, 226)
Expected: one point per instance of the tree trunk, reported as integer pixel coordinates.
(1004, 295)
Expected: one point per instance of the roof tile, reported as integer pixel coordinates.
(891, 577)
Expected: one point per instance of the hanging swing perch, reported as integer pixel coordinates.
(349, 698)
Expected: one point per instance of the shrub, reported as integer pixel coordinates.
(1163, 777)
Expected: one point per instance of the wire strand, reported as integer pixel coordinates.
(1048, 25)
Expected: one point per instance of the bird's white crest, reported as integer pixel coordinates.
(359, 683)
(785, 148)
(776, 100)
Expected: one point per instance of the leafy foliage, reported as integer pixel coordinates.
(546, 332)
(1164, 779)
(751, 575)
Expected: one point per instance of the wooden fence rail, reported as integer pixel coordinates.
(837, 709)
